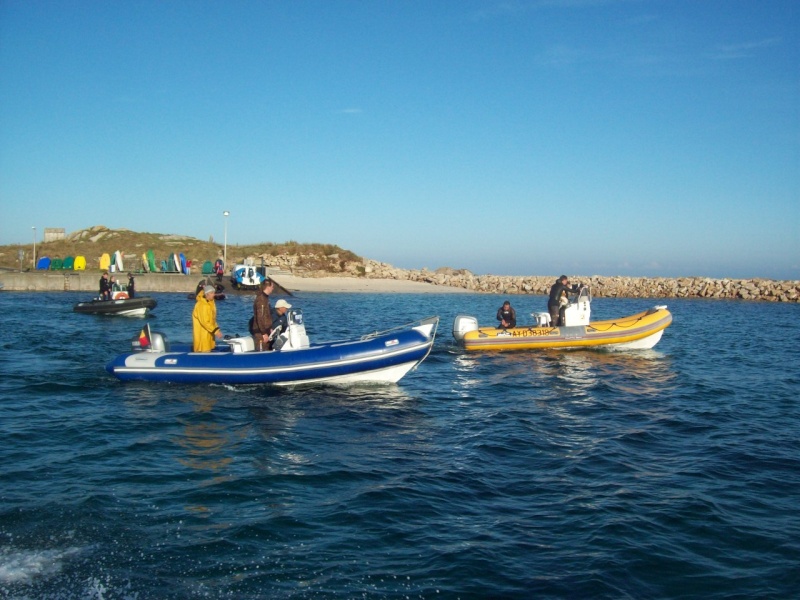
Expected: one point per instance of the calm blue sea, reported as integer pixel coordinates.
(669, 473)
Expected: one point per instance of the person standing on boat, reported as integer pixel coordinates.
(262, 316)
(507, 316)
(105, 287)
(131, 286)
(554, 307)
(204, 321)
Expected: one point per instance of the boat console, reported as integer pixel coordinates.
(295, 337)
(578, 310)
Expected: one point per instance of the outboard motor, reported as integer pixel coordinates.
(463, 324)
(158, 343)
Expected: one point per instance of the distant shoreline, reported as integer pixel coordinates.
(427, 282)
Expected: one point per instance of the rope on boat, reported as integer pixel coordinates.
(375, 334)
(616, 324)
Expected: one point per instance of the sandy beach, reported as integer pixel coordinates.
(373, 286)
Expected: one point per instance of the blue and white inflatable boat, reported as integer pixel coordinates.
(246, 277)
(384, 357)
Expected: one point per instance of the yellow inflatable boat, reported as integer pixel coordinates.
(640, 331)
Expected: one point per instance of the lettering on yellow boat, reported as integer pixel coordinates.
(531, 332)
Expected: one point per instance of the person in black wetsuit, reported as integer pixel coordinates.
(558, 289)
(507, 316)
(105, 287)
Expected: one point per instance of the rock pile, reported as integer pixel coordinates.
(602, 287)
(608, 287)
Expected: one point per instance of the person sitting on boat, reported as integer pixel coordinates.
(204, 321)
(507, 316)
(262, 316)
(115, 287)
(131, 286)
(105, 287)
(557, 291)
(279, 316)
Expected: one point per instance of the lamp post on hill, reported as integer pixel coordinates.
(225, 214)
(33, 260)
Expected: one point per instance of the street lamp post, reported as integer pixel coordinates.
(33, 260)
(225, 214)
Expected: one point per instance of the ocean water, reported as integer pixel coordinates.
(668, 473)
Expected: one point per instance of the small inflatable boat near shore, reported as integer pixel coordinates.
(640, 331)
(120, 304)
(383, 357)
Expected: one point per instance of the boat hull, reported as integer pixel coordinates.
(640, 331)
(383, 358)
(129, 307)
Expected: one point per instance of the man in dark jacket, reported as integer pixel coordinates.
(279, 316)
(559, 289)
(262, 317)
(105, 287)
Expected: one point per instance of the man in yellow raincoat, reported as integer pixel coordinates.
(204, 321)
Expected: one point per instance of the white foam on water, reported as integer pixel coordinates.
(24, 566)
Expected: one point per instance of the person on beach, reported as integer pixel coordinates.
(507, 316)
(204, 321)
(555, 305)
(105, 287)
(262, 316)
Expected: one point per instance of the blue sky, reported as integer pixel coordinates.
(591, 137)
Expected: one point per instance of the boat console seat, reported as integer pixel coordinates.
(241, 344)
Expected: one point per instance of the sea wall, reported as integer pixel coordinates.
(89, 281)
(607, 287)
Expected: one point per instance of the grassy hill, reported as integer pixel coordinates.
(92, 243)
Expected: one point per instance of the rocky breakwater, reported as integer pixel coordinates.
(604, 287)
(334, 265)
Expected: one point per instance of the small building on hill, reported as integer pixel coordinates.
(54, 234)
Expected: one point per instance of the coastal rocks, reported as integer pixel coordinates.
(601, 287)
